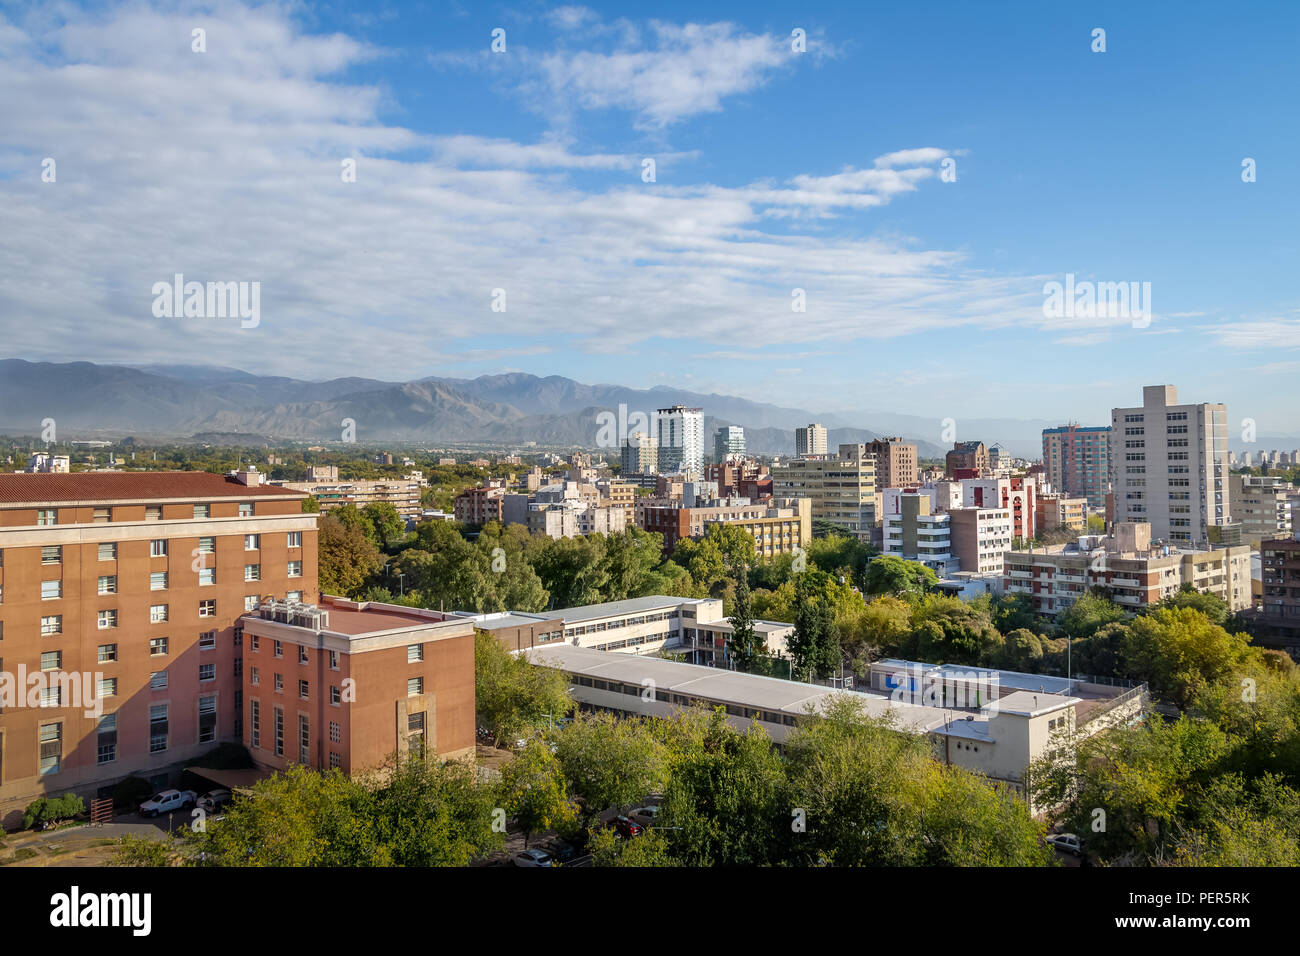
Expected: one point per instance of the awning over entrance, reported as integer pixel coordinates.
(232, 780)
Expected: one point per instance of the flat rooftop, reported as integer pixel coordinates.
(89, 486)
(592, 612)
(726, 687)
(353, 619)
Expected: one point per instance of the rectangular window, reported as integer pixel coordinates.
(153, 513)
(50, 590)
(108, 687)
(107, 584)
(304, 690)
(279, 683)
(107, 653)
(158, 581)
(202, 511)
(295, 569)
(207, 719)
(252, 572)
(157, 728)
(336, 696)
(415, 735)
(207, 672)
(334, 660)
(277, 648)
(239, 666)
(254, 643)
(245, 509)
(207, 609)
(255, 721)
(207, 545)
(208, 640)
(52, 696)
(106, 743)
(52, 624)
(158, 548)
(47, 516)
(293, 596)
(336, 733)
(414, 652)
(106, 620)
(254, 677)
(251, 542)
(279, 732)
(52, 554)
(336, 761)
(295, 539)
(157, 613)
(51, 660)
(51, 738)
(158, 646)
(158, 680)
(102, 515)
(414, 686)
(304, 739)
(302, 654)
(108, 552)
(250, 602)
(207, 577)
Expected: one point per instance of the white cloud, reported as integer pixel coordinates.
(225, 166)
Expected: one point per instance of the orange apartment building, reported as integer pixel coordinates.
(137, 580)
(346, 684)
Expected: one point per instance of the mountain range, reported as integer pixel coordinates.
(182, 401)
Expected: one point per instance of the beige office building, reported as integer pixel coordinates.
(1169, 466)
(810, 440)
(842, 489)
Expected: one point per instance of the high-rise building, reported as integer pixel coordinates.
(810, 440)
(638, 455)
(1169, 466)
(842, 489)
(728, 442)
(1077, 461)
(1262, 505)
(895, 462)
(681, 440)
(124, 591)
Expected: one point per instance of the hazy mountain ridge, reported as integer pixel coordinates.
(184, 400)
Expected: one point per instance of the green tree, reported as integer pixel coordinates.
(743, 642)
(347, 559)
(534, 793)
(610, 761)
(890, 574)
(512, 695)
(389, 527)
(1179, 651)
(1089, 613)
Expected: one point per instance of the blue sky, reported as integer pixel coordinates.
(521, 170)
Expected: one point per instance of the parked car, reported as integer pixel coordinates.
(165, 801)
(214, 800)
(646, 816)
(624, 828)
(534, 857)
(561, 850)
(1066, 842)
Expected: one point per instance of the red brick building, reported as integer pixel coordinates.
(133, 583)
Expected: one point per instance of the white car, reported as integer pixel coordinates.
(1066, 842)
(166, 801)
(646, 816)
(534, 857)
(214, 800)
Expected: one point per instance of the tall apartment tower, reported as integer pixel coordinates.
(967, 456)
(810, 440)
(638, 455)
(1076, 459)
(134, 584)
(680, 440)
(895, 463)
(1169, 466)
(728, 442)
